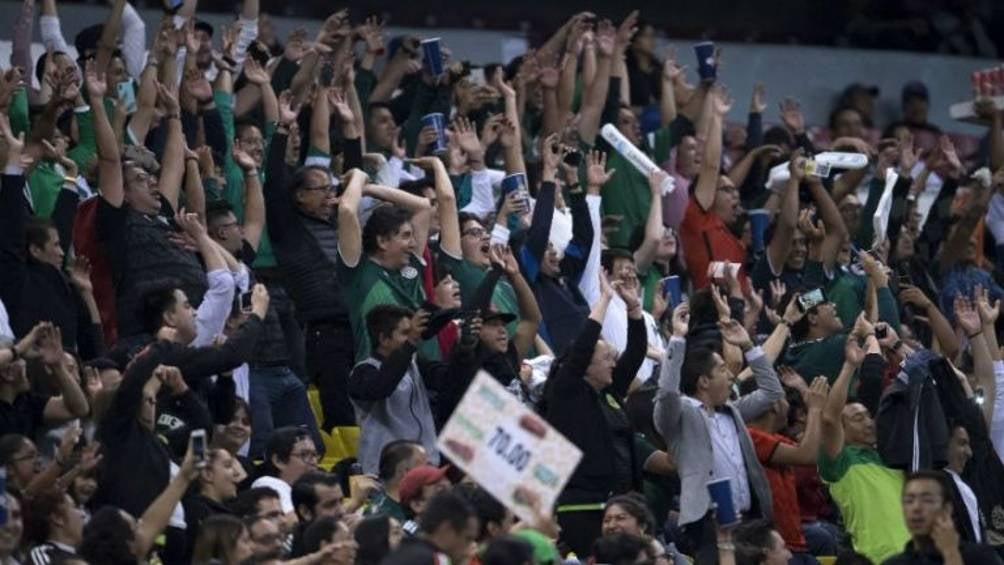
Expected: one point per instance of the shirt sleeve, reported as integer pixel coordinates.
(482, 198)
(133, 41)
(52, 34)
(215, 308)
(764, 445)
(589, 284)
(997, 419)
(248, 33)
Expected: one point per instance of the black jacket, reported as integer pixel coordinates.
(910, 409)
(37, 292)
(577, 410)
(972, 554)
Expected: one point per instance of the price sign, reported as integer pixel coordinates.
(507, 449)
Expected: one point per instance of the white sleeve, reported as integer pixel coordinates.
(385, 174)
(52, 34)
(5, 330)
(246, 36)
(482, 198)
(997, 418)
(133, 41)
(395, 168)
(212, 314)
(589, 284)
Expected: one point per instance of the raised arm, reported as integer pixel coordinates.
(637, 343)
(538, 235)
(667, 100)
(832, 427)
(259, 77)
(780, 244)
(109, 36)
(254, 199)
(419, 207)
(595, 95)
(173, 161)
(717, 107)
(350, 231)
(666, 411)
(449, 220)
(807, 450)
(529, 312)
(156, 517)
(71, 402)
(836, 229)
(646, 252)
(109, 159)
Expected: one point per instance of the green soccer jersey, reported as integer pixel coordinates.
(369, 284)
(868, 494)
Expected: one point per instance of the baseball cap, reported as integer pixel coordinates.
(915, 89)
(494, 314)
(544, 551)
(418, 478)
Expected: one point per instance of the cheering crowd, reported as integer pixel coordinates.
(197, 224)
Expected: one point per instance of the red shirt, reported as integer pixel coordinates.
(787, 516)
(706, 238)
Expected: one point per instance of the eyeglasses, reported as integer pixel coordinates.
(327, 187)
(305, 455)
(31, 456)
(476, 232)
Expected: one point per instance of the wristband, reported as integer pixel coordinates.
(726, 546)
(974, 335)
(70, 180)
(786, 323)
(174, 117)
(897, 345)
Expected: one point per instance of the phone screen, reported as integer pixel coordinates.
(811, 299)
(199, 447)
(246, 302)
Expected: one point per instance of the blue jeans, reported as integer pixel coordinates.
(278, 398)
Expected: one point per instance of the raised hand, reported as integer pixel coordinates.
(815, 395)
(814, 232)
(722, 101)
(10, 82)
(854, 354)
(796, 165)
(988, 312)
(966, 316)
(466, 136)
(734, 333)
(628, 293)
(15, 145)
(255, 73)
(792, 313)
(259, 300)
(190, 224)
(287, 112)
(862, 327)
(419, 321)
(80, 274)
(336, 97)
(626, 30)
(791, 116)
(502, 255)
(550, 155)
(721, 303)
(606, 38)
(596, 173)
(758, 101)
(681, 319)
(167, 100)
(913, 295)
(51, 346)
(791, 379)
(241, 157)
(197, 86)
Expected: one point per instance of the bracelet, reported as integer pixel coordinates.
(251, 172)
(726, 546)
(70, 180)
(974, 335)
(786, 323)
(897, 345)
(174, 117)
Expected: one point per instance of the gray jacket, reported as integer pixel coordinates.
(683, 428)
(404, 414)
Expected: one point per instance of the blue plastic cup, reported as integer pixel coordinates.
(672, 290)
(759, 220)
(721, 494)
(707, 67)
(432, 56)
(438, 122)
(517, 182)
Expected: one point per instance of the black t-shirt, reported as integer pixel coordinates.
(24, 416)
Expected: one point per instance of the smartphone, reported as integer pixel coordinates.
(199, 447)
(246, 302)
(127, 96)
(573, 158)
(718, 270)
(811, 299)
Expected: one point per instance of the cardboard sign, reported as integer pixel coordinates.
(508, 450)
(880, 221)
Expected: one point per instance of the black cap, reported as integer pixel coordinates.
(915, 89)
(506, 317)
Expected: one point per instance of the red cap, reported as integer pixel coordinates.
(417, 479)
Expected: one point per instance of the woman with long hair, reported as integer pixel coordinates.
(222, 539)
